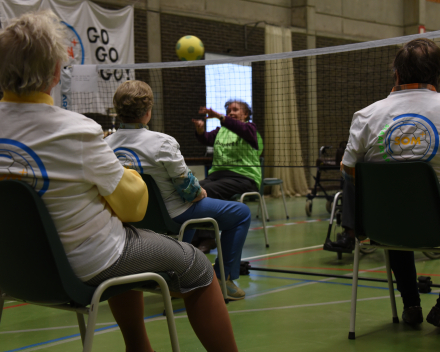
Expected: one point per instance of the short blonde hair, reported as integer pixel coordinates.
(132, 100)
(30, 48)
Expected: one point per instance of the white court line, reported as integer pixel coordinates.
(53, 328)
(309, 305)
(289, 251)
(233, 312)
(241, 311)
(308, 283)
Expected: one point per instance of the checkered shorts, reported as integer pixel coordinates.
(147, 251)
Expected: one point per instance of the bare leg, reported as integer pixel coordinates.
(209, 318)
(206, 310)
(128, 310)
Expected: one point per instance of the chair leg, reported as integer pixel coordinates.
(90, 329)
(219, 250)
(284, 200)
(258, 209)
(391, 287)
(220, 263)
(169, 314)
(2, 303)
(351, 334)
(265, 209)
(82, 326)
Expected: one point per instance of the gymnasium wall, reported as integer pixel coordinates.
(140, 51)
(184, 89)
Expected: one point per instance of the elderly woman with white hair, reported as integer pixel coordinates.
(89, 194)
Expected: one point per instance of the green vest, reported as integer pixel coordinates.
(231, 150)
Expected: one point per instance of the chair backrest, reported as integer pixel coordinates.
(398, 204)
(157, 217)
(33, 264)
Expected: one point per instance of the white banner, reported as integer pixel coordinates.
(95, 35)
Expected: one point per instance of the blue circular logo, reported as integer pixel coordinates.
(19, 162)
(129, 159)
(75, 47)
(412, 137)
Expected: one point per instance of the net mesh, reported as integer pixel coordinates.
(300, 101)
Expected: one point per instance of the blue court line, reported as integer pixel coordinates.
(77, 335)
(183, 309)
(321, 282)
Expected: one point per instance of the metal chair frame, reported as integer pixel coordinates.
(393, 232)
(37, 270)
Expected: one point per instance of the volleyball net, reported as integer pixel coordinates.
(300, 100)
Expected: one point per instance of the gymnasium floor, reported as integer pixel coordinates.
(281, 312)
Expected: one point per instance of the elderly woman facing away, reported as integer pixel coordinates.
(89, 194)
(158, 155)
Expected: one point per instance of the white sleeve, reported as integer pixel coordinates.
(170, 157)
(100, 165)
(358, 143)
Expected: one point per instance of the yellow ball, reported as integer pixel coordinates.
(189, 48)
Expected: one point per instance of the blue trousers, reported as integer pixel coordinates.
(233, 218)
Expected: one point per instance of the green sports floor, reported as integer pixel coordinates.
(281, 312)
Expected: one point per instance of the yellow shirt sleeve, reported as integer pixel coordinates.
(129, 201)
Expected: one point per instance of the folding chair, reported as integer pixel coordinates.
(398, 206)
(158, 220)
(34, 267)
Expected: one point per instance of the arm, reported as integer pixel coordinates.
(184, 182)
(207, 138)
(124, 190)
(188, 187)
(130, 198)
(356, 148)
(348, 173)
(245, 130)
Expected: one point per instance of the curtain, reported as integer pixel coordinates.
(281, 117)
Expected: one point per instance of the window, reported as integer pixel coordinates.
(224, 82)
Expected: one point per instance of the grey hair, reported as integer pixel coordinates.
(31, 46)
(132, 100)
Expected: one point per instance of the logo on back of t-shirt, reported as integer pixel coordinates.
(129, 159)
(410, 137)
(19, 162)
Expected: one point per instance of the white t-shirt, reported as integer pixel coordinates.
(63, 156)
(156, 154)
(402, 127)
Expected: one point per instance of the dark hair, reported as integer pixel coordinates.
(245, 106)
(418, 62)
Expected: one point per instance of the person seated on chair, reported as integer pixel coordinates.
(237, 149)
(87, 192)
(416, 70)
(158, 155)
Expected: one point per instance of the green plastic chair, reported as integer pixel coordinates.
(34, 267)
(398, 206)
(158, 220)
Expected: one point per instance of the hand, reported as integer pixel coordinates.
(199, 125)
(201, 195)
(211, 113)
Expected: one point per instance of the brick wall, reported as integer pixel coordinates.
(184, 89)
(348, 82)
(299, 42)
